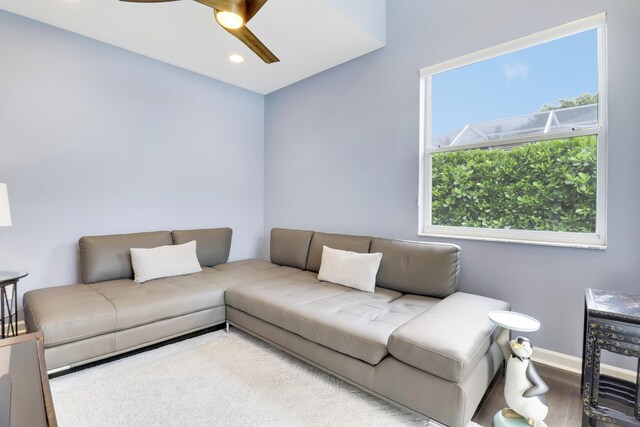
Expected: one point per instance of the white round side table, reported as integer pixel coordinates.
(514, 321)
(519, 322)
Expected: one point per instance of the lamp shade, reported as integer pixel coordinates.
(5, 213)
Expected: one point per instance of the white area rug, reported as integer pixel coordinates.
(216, 379)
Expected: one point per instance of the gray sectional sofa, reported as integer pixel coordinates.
(416, 341)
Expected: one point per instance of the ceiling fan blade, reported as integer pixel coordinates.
(247, 37)
(253, 6)
(228, 5)
(147, 1)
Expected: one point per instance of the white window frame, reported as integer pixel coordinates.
(596, 240)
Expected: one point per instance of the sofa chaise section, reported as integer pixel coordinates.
(110, 313)
(69, 313)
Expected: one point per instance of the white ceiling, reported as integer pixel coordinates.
(308, 36)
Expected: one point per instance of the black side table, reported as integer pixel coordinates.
(9, 311)
(612, 323)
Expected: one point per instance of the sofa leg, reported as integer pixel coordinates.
(227, 327)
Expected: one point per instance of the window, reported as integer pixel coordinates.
(513, 140)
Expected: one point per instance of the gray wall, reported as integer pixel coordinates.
(97, 140)
(341, 153)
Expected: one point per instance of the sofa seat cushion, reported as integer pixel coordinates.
(68, 313)
(427, 342)
(270, 300)
(139, 304)
(250, 271)
(355, 322)
(352, 322)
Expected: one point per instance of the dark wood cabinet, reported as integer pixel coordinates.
(611, 323)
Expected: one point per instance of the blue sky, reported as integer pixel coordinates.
(515, 84)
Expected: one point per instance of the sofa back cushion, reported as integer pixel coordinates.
(421, 268)
(105, 258)
(334, 241)
(213, 244)
(290, 247)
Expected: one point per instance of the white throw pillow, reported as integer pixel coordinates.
(164, 261)
(348, 268)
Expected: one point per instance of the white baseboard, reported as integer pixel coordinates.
(574, 364)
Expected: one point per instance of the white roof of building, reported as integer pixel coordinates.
(542, 122)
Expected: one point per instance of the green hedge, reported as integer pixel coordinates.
(548, 185)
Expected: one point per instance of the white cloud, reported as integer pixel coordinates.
(515, 70)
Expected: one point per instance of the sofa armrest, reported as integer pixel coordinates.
(449, 339)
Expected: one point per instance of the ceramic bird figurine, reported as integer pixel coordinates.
(524, 389)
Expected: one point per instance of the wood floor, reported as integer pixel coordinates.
(565, 405)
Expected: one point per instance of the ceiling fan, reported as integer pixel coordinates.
(233, 15)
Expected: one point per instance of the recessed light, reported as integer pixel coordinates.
(236, 58)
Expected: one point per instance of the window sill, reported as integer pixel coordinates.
(514, 240)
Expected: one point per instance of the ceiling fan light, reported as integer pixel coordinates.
(229, 20)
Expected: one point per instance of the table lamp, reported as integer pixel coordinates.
(5, 213)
